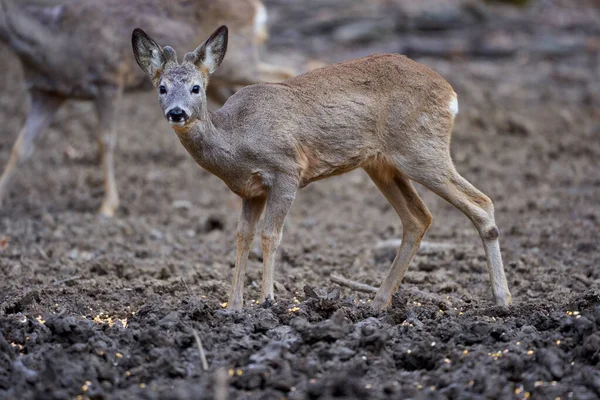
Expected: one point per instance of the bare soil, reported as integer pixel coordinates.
(107, 309)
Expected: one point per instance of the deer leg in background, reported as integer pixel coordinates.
(106, 105)
(42, 108)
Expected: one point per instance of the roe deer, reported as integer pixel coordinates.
(79, 49)
(385, 113)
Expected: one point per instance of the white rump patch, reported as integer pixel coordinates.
(453, 105)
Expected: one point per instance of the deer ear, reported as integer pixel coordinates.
(209, 55)
(148, 54)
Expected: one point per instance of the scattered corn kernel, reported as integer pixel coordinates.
(529, 352)
(224, 305)
(119, 355)
(39, 319)
(527, 395)
(142, 385)
(471, 383)
(558, 342)
(465, 352)
(239, 372)
(231, 371)
(127, 373)
(432, 388)
(447, 360)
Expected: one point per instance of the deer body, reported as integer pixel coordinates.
(384, 113)
(79, 49)
(317, 125)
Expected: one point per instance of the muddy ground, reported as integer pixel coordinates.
(107, 309)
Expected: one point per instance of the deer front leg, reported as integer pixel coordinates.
(280, 199)
(42, 108)
(106, 105)
(251, 210)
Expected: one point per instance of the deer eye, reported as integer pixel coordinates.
(162, 89)
(196, 89)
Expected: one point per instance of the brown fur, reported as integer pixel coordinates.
(384, 113)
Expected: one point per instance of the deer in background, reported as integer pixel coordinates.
(385, 113)
(79, 49)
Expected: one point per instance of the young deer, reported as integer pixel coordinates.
(385, 113)
(80, 50)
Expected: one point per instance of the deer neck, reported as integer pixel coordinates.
(207, 141)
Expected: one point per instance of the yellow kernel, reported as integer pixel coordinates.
(447, 360)
(142, 385)
(465, 352)
(471, 383)
(239, 372)
(119, 355)
(527, 395)
(231, 372)
(224, 305)
(84, 388)
(558, 342)
(128, 373)
(529, 352)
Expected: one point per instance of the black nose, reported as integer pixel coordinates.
(177, 115)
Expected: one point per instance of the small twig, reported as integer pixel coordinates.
(201, 350)
(67, 280)
(186, 287)
(221, 383)
(359, 287)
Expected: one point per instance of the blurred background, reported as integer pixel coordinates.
(527, 75)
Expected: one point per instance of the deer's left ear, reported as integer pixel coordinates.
(209, 55)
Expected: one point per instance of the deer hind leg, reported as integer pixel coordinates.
(251, 210)
(416, 219)
(480, 210)
(42, 108)
(106, 106)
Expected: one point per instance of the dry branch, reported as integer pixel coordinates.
(359, 287)
(201, 350)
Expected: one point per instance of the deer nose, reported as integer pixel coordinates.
(177, 115)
